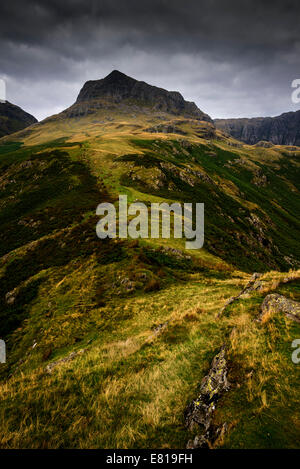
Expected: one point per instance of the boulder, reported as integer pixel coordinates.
(275, 303)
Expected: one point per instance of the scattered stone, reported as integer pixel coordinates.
(259, 178)
(292, 261)
(127, 284)
(10, 297)
(175, 253)
(275, 303)
(53, 365)
(158, 329)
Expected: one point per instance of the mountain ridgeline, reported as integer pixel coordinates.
(279, 130)
(118, 89)
(13, 118)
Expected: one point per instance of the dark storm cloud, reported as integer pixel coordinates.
(231, 57)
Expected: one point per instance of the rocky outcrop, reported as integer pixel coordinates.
(13, 119)
(259, 178)
(252, 285)
(53, 365)
(199, 412)
(264, 144)
(280, 130)
(165, 129)
(118, 89)
(187, 175)
(275, 303)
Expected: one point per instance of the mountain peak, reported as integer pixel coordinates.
(117, 75)
(118, 88)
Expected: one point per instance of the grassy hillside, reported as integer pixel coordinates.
(108, 340)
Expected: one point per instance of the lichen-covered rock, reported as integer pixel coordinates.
(275, 303)
(200, 411)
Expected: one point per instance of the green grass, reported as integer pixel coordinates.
(71, 291)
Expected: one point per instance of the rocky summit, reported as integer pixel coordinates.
(280, 130)
(118, 88)
(13, 118)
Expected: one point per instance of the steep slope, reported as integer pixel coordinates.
(13, 118)
(280, 130)
(107, 340)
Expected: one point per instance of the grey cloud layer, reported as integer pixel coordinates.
(232, 58)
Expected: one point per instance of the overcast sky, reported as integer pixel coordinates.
(234, 58)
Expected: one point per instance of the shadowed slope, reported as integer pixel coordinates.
(13, 118)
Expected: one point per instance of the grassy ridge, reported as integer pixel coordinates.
(91, 308)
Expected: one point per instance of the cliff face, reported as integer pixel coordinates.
(13, 118)
(280, 130)
(118, 88)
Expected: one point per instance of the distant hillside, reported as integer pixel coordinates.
(280, 130)
(13, 118)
